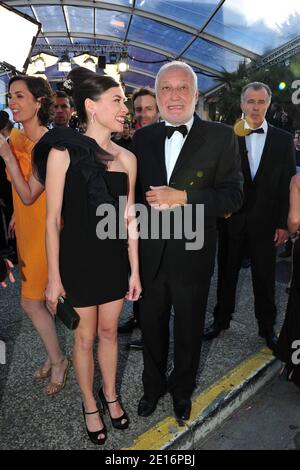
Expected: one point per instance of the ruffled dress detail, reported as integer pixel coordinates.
(93, 271)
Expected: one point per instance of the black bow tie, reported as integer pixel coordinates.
(171, 129)
(257, 131)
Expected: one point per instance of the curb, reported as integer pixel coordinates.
(211, 407)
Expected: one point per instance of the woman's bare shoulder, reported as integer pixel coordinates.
(59, 158)
(124, 156)
(295, 181)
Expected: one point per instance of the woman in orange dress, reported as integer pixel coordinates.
(30, 99)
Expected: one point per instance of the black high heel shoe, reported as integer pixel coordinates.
(116, 422)
(94, 435)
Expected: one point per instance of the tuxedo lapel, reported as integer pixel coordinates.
(159, 151)
(265, 154)
(244, 159)
(191, 146)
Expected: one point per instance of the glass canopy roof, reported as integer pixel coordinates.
(211, 35)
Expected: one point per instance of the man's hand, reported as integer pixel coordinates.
(281, 236)
(165, 196)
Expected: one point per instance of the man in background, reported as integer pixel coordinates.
(145, 113)
(268, 164)
(7, 246)
(125, 140)
(63, 109)
(145, 107)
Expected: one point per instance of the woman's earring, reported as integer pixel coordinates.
(93, 118)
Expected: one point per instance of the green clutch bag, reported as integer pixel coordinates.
(67, 314)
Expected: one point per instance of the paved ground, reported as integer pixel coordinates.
(268, 421)
(29, 419)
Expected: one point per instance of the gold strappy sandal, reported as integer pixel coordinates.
(42, 373)
(55, 387)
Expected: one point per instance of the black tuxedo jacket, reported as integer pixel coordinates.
(266, 197)
(208, 168)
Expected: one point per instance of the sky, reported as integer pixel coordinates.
(273, 13)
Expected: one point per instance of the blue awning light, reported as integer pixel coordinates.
(212, 35)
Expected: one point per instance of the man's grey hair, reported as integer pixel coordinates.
(176, 64)
(256, 86)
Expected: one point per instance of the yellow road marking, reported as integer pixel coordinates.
(166, 430)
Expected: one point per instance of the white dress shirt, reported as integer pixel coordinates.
(173, 147)
(255, 145)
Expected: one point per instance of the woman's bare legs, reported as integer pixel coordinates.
(108, 318)
(45, 326)
(83, 362)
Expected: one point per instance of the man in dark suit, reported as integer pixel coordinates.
(7, 246)
(186, 162)
(268, 164)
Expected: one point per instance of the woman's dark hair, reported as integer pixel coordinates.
(86, 84)
(40, 89)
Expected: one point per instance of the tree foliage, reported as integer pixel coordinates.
(229, 95)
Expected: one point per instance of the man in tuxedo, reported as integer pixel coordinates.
(268, 164)
(186, 162)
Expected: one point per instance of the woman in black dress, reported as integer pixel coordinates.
(288, 346)
(82, 172)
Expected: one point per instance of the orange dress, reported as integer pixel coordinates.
(30, 226)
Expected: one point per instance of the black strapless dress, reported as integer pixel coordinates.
(93, 270)
(288, 347)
